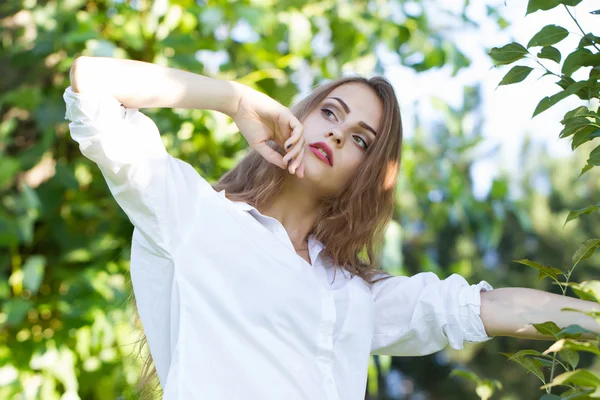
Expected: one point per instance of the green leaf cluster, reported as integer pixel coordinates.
(582, 125)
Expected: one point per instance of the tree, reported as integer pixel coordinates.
(65, 322)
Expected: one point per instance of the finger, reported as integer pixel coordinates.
(300, 172)
(276, 134)
(270, 154)
(293, 151)
(300, 157)
(296, 134)
(297, 130)
(283, 129)
(295, 154)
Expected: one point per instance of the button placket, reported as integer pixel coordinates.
(325, 340)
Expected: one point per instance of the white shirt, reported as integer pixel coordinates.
(229, 309)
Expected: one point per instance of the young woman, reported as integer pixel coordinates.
(265, 285)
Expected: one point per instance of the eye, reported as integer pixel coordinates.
(365, 145)
(328, 112)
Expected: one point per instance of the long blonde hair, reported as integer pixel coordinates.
(352, 224)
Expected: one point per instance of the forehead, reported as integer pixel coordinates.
(364, 104)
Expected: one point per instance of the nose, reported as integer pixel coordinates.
(336, 136)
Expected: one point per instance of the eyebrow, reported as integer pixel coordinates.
(347, 109)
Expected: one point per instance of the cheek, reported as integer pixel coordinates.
(351, 164)
(310, 123)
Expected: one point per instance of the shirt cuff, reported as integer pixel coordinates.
(474, 330)
(92, 107)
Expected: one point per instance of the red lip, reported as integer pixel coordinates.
(327, 149)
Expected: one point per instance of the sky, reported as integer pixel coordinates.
(507, 109)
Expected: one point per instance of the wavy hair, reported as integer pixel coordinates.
(352, 224)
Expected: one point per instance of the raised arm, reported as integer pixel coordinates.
(511, 311)
(138, 84)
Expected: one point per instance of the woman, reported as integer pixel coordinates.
(266, 285)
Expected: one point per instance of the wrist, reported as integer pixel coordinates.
(231, 103)
(238, 91)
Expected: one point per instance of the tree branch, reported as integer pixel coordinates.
(579, 26)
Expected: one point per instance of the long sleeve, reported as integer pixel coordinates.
(159, 193)
(422, 314)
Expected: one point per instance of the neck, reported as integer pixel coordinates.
(296, 210)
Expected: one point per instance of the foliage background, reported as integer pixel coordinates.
(66, 327)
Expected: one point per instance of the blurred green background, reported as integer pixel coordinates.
(66, 326)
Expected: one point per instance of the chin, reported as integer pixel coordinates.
(313, 170)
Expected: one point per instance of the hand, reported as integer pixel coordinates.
(260, 118)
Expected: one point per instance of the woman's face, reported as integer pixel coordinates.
(347, 121)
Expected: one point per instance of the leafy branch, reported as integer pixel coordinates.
(578, 25)
(581, 124)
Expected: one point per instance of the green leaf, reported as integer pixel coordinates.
(544, 270)
(532, 365)
(571, 3)
(580, 58)
(549, 396)
(589, 90)
(577, 213)
(593, 314)
(550, 53)
(588, 40)
(581, 111)
(584, 136)
(585, 251)
(541, 359)
(543, 5)
(548, 35)
(575, 87)
(588, 347)
(570, 357)
(466, 374)
(547, 328)
(585, 169)
(576, 124)
(565, 81)
(508, 54)
(594, 157)
(545, 362)
(573, 332)
(586, 290)
(579, 377)
(577, 394)
(526, 352)
(548, 102)
(516, 74)
(33, 272)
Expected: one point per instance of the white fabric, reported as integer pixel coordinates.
(229, 309)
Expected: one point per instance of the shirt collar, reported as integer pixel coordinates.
(315, 246)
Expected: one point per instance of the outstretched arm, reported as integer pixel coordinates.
(512, 311)
(138, 84)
